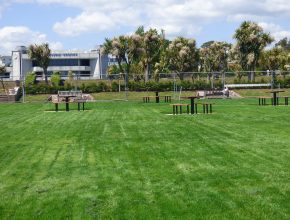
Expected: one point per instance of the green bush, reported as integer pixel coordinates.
(67, 85)
(90, 87)
(30, 79)
(115, 87)
(106, 86)
(55, 79)
(102, 87)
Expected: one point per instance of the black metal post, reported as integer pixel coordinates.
(157, 97)
(66, 104)
(275, 98)
(192, 105)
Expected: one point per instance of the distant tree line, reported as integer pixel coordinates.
(146, 54)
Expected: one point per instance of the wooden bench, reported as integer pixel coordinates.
(167, 98)
(146, 99)
(262, 100)
(206, 107)
(78, 101)
(286, 100)
(175, 108)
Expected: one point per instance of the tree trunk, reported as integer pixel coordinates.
(192, 78)
(126, 79)
(208, 77)
(156, 77)
(45, 75)
(249, 76)
(147, 72)
(252, 76)
(181, 76)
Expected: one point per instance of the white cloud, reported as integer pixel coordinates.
(177, 17)
(96, 22)
(276, 30)
(13, 36)
(85, 22)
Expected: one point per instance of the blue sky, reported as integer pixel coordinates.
(83, 24)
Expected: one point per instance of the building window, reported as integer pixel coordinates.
(85, 62)
(63, 62)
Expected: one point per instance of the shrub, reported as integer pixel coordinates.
(115, 87)
(30, 78)
(55, 79)
(102, 87)
(67, 85)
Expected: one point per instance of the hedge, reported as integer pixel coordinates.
(113, 86)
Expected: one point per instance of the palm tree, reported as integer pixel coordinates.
(152, 43)
(214, 57)
(2, 70)
(41, 55)
(251, 40)
(126, 50)
(182, 56)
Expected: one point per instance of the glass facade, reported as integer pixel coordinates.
(66, 62)
(85, 62)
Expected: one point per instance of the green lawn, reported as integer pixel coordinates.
(129, 160)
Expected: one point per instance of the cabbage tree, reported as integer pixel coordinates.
(41, 55)
(251, 40)
(214, 57)
(126, 50)
(2, 70)
(152, 46)
(182, 56)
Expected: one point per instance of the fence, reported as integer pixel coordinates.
(161, 81)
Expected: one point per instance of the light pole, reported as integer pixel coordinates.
(126, 78)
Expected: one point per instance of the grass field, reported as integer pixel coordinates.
(129, 160)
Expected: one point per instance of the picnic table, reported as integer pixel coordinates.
(175, 108)
(192, 105)
(146, 99)
(68, 97)
(262, 99)
(275, 98)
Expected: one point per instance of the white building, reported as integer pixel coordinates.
(83, 64)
